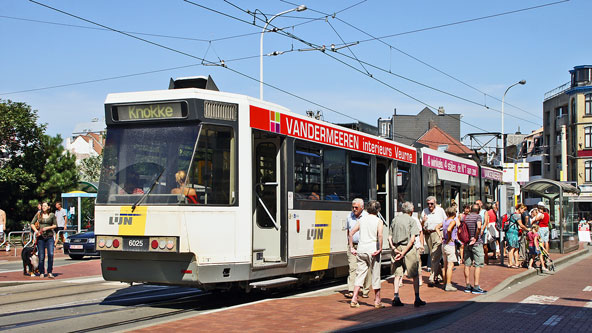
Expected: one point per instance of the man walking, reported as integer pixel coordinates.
(62, 220)
(368, 253)
(402, 234)
(352, 220)
(473, 254)
(432, 218)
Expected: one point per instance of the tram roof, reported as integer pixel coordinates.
(196, 93)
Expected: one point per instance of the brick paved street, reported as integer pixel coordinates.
(332, 312)
(561, 302)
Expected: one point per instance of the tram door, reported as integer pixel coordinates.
(267, 219)
(383, 197)
(451, 195)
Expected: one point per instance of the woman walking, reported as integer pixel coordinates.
(515, 223)
(43, 225)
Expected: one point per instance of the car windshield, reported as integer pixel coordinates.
(134, 157)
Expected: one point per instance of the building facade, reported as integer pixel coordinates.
(569, 108)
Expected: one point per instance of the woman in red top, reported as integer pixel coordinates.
(544, 225)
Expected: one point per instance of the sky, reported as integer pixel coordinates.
(460, 55)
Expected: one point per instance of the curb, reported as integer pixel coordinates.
(420, 319)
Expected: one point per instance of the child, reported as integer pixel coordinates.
(533, 247)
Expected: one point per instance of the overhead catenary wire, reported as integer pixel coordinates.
(134, 74)
(348, 65)
(325, 18)
(370, 75)
(206, 62)
(240, 73)
(373, 38)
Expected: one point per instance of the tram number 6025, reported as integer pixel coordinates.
(136, 243)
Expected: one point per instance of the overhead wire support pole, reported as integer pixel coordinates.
(298, 9)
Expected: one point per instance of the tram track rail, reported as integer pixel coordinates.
(146, 306)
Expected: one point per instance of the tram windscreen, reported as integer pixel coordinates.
(138, 158)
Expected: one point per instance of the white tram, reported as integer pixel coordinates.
(212, 189)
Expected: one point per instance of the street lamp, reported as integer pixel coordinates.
(502, 233)
(503, 142)
(298, 9)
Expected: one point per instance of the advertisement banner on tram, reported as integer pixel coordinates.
(297, 127)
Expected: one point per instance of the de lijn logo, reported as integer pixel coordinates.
(316, 232)
(125, 219)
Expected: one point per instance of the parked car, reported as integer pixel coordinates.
(79, 245)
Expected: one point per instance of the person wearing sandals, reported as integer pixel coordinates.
(44, 233)
(368, 252)
(515, 223)
(352, 220)
(402, 234)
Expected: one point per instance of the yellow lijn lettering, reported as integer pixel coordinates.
(322, 245)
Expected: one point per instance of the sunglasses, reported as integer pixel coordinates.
(431, 203)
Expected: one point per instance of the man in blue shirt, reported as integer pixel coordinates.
(352, 220)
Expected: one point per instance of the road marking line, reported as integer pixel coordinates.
(553, 320)
(588, 288)
(85, 280)
(536, 303)
(539, 299)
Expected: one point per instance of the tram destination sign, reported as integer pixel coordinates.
(157, 111)
(297, 127)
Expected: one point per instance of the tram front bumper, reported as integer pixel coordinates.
(156, 268)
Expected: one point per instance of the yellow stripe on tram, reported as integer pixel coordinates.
(322, 240)
(132, 223)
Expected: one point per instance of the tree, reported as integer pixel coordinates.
(90, 168)
(59, 173)
(32, 164)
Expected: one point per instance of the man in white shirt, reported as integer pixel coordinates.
(352, 220)
(62, 219)
(432, 219)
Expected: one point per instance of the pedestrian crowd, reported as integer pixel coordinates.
(450, 238)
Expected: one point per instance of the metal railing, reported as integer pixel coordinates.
(72, 231)
(10, 242)
(557, 91)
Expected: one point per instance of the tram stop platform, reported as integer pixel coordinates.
(329, 310)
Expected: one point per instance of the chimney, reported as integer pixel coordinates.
(441, 111)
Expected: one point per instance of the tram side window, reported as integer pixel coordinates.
(359, 177)
(403, 185)
(434, 184)
(473, 189)
(307, 171)
(334, 162)
(213, 172)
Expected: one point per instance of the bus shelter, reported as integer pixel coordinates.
(78, 195)
(556, 196)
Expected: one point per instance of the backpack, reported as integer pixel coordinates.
(462, 233)
(509, 224)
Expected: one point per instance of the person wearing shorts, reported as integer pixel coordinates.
(473, 254)
(448, 246)
(544, 225)
(402, 234)
(368, 252)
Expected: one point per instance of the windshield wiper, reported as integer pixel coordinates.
(149, 190)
